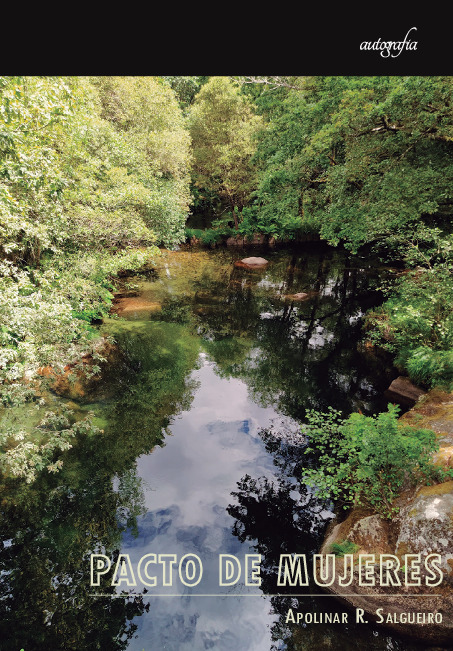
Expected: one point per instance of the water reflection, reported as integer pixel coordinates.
(48, 532)
(260, 504)
(294, 354)
(50, 529)
(201, 453)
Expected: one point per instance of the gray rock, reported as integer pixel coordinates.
(426, 524)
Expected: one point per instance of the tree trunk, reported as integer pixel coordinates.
(235, 217)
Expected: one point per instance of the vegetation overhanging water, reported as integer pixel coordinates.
(201, 452)
(189, 433)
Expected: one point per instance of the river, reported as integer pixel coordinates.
(200, 454)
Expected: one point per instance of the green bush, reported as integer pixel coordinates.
(416, 324)
(365, 460)
(210, 236)
(192, 232)
(431, 367)
(207, 237)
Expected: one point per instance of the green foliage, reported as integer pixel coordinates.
(222, 126)
(128, 160)
(185, 88)
(90, 163)
(27, 453)
(45, 321)
(367, 461)
(431, 367)
(207, 236)
(368, 160)
(94, 172)
(44, 315)
(416, 324)
(281, 225)
(31, 179)
(37, 326)
(344, 547)
(210, 236)
(193, 232)
(368, 157)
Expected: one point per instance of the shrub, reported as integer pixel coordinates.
(416, 324)
(365, 460)
(192, 232)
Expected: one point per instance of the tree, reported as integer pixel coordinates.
(90, 163)
(128, 158)
(185, 88)
(222, 125)
(31, 180)
(367, 158)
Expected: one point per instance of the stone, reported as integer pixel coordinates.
(135, 306)
(237, 240)
(423, 525)
(371, 534)
(426, 524)
(258, 239)
(255, 262)
(402, 391)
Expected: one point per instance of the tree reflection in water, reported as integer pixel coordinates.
(284, 516)
(50, 528)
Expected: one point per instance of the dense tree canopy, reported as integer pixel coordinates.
(222, 126)
(91, 162)
(93, 173)
(97, 172)
(367, 158)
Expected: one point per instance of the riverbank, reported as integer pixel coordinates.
(423, 526)
(213, 238)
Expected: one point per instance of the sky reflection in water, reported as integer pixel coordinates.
(188, 488)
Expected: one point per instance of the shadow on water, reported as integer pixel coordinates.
(200, 454)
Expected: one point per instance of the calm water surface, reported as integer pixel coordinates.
(201, 453)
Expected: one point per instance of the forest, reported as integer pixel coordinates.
(99, 174)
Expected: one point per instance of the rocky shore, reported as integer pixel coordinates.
(423, 525)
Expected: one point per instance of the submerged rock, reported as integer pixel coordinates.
(252, 263)
(76, 379)
(135, 306)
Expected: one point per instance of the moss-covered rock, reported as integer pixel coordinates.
(424, 525)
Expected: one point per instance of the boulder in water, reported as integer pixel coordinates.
(252, 263)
